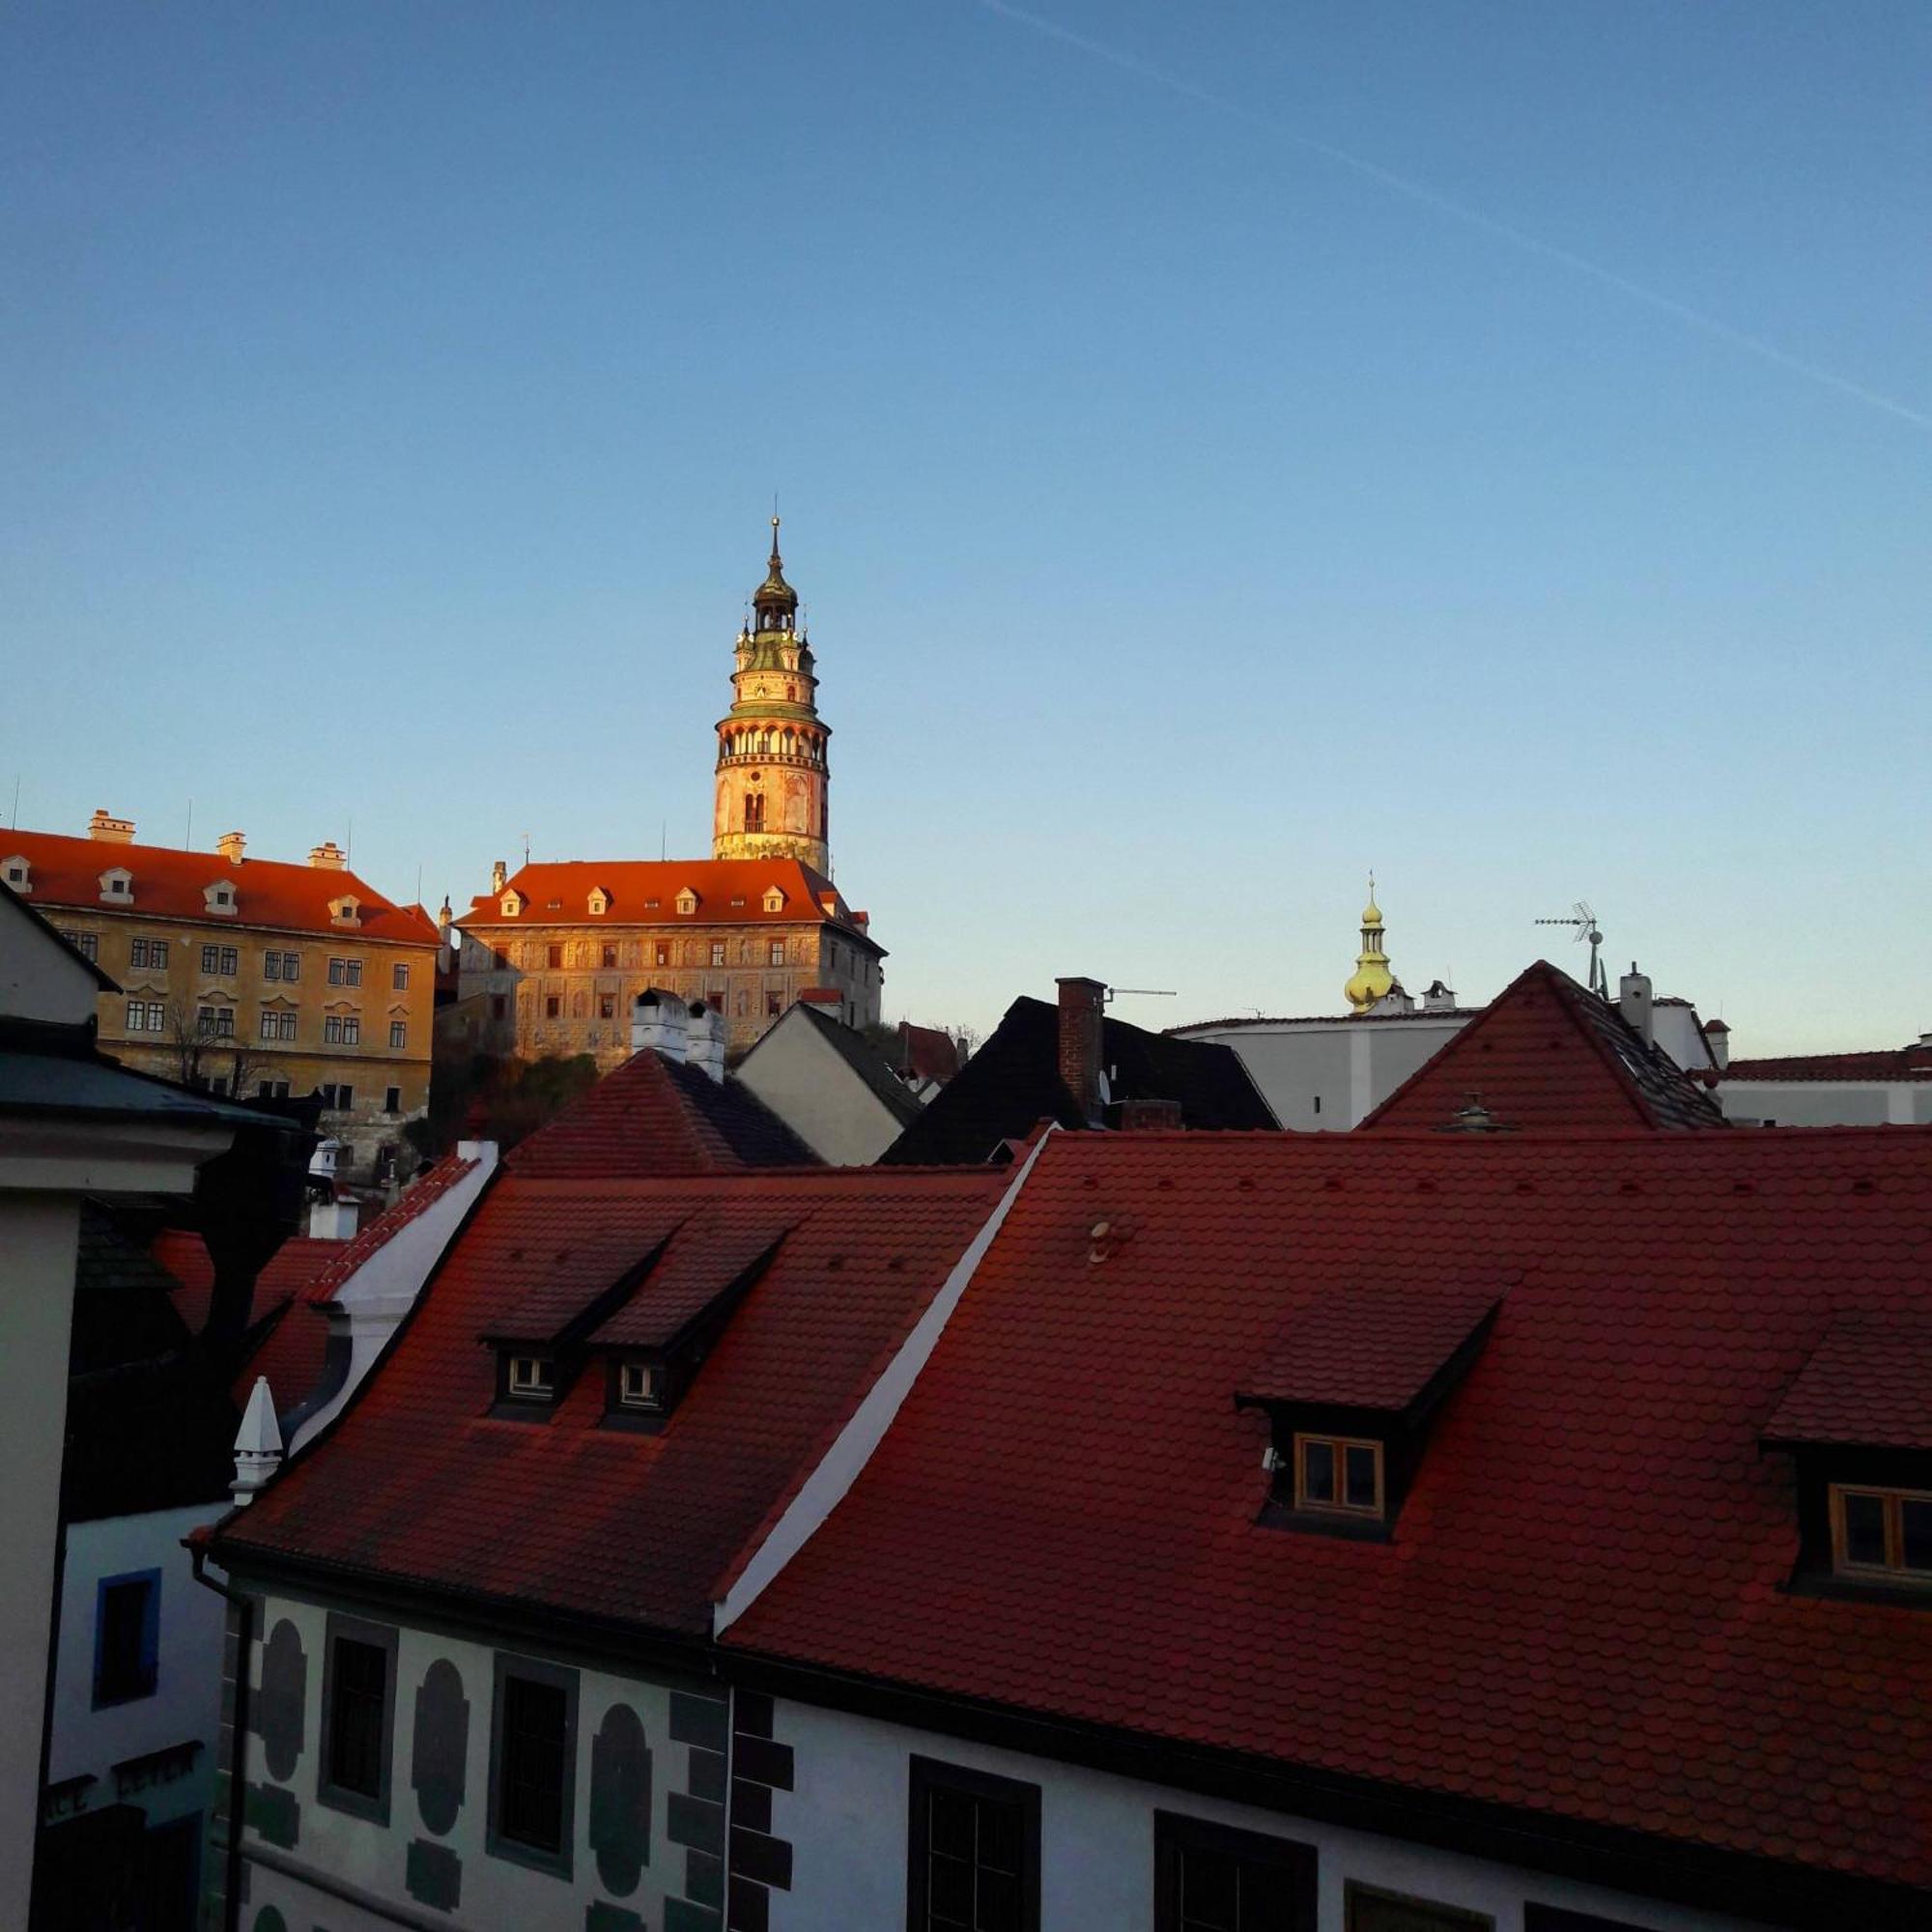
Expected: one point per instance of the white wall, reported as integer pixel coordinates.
(797, 1072)
(1350, 1066)
(846, 1823)
(188, 1681)
(1827, 1103)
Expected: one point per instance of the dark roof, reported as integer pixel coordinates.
(867, 1062)
(1583, 1613)
(1868, 1383)
(1549, 1052)
(1904, 1062)
(1013, 1082)
(150, 1424)
(417, 1481)
(655, 1117)
(927, 1053)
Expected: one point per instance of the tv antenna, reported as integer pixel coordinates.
(1582, 924)
(1141, 992)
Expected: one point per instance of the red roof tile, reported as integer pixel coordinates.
(655, 1117)
(711, 1251)
(416, 1480)
(1905, 1062)
(1547, 1053)
(168, 884)
(1581, 1613)
(1869, 1383)
(428, 1188)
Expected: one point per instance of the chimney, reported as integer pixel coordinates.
(230, 846)
(500, 876)
(332, 1220)
(109, 830)
(704, 1044)
(1718, 1037)
(1633, 1002)
(258, 1445)
(862, 921)
(659, 1022)
(1081, 1002)
(327, 857)
(1151, 1117)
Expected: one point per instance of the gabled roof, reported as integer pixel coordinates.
(927, 1053)
(1547, 1053)
(415, 1480)
(644, 891)
(423, 1193)
(1868, 1383)
(171, 884)
(655, 1117)
(859, 1055)
(1580, 1615)
(710, 1253)
(1905, 1062)
(1013, 1082)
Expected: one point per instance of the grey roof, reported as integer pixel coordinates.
(66, 1084)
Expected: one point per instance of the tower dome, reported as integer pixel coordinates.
(1372, 979)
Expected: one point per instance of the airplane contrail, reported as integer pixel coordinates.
(1473, 218)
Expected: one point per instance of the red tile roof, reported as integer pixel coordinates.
(168, 884)
(1905, 1062)
(415, 1480)
(644, 891)
(654, 1116)
(927, 1053)
(1547, 1053)
(1378, 1346)
(424, 1192)
(709, 1252)
(1581, 1613)
(1869, 1383)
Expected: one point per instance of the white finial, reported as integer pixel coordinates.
(258, 1445)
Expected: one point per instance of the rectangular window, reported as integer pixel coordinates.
(272, 965)
(773, 1005)
(973, 1856)
(399, 1032)
(210, 958)
(775, 953)
(392, 1099)
(1210, 1878)
(1367, 1908)
(337, 1099)
(1882, 1534)
(272, 1090)
(291, 966)
(351, 1031)
(499, 1006)
(533, 1764)
(717, 952)
(157, 1015)
(332, 1028)
(532, 1377)
(359, 1701)
(661, 953)
(609, 957)
(1338, 1473)
(137, 1016)
(606, 1005)
(345, 972)
(86, 944)
(216, 1022)
(641, 1385)
(553, 1007)
(152, 954)
(126, 1633)
(286, 1027)
(399, 979)
(271, 1026)
(553, 955)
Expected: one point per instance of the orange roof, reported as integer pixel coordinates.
(644, 891)
(171, 884)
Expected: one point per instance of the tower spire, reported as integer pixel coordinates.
(1372, 978)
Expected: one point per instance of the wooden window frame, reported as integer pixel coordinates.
(560, 1863)
(373, 1806)
(1465, 1919)
(1894, 1569)
(1175, 1834)
(928, 1774)
(642, 1405)
(1340, 1445)
(531, 1391)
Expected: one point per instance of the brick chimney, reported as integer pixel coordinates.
(1081, 1003)
(328, 857)
(109, 830)
(230, 846)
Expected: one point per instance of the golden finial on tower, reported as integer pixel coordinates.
(1372, 978)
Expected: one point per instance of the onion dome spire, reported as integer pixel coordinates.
(1372, 978)
(774, 601)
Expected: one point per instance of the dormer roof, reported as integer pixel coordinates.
(1867, 1384)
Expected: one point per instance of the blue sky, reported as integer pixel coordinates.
(1189, 518)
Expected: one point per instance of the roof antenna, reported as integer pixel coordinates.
(527, 849)
(15, 821)
(663, 835)
(188, 842)
(1582, 923)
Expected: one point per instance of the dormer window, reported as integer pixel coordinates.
(531, 1378)
(775, 901)
(687, 901)
(600, 902)
(18, 873)
(1882, 1535)
(512, 904)
(640, 1386)
(219, 898)
(345, 911)
(117, 886)
(1339, 1472)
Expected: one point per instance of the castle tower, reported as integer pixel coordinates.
(772, 776)
(1372, 978)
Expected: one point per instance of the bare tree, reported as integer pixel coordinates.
(201, 1052)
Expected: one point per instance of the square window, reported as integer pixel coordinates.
(641, 1385)
(1338, 1473)
(1210, 1878)
(358, 1702)
(126, 1633)
(533, 1764)
(973, 1861)
(531, 1377)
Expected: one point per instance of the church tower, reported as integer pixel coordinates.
(1372, 979)
(772, 771)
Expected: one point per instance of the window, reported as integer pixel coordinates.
(610, 956)
(1338, 1473)
(553, 955)
(16, 874)
(640, 1386)
(532, 1377)
(272, 1090)
(152, 954)
(533, 1764)
(358, 1699)
(1884, 1534)
(335, 1029)
(606, 1005)
(337, 1099)
(755, 811)
(773, 1005)
(717, 952)
(399, 1032)
(973, 1861)
(1365, 1909)
(715, 999)
(127, 1631)
(219, 961)
(86, 944)
(1208, 1877)
(146, 1016)
(500, 1006)
(214, 1022)
(285, 1026)
(271, 1026)
(392, 1099)
(661, 953)
(399, 979)
(775, 953)
(345, 972)
(553, 1007)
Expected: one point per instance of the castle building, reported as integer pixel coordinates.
(556, 954)
(251, 977)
